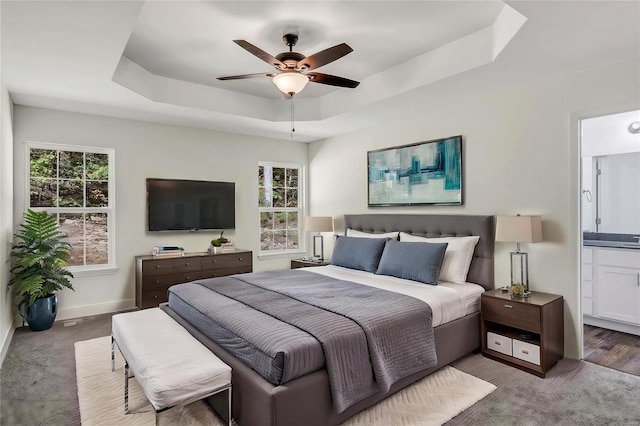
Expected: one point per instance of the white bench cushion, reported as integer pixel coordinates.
(170, 365)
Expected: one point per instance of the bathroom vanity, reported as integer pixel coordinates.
(611, 282)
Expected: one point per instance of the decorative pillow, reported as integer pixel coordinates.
(412, 261)
(360, 234)
(457, 259)
(358, 253)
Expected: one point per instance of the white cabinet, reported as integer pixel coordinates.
(587, 280)
(615, 288)
(619, 293)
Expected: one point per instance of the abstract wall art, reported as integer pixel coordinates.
(423, 173)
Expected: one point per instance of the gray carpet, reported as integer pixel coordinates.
(38, 386)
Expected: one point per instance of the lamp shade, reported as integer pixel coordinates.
(290, 82)
(318, 224)
(519, 229)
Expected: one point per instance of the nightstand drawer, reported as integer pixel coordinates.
(526, 352)
(512, 313)
(499, 343)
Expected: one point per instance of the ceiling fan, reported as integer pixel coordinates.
(294, 66)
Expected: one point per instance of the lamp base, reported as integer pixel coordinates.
(316, 255)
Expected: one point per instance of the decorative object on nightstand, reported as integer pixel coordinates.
(318, 224)
(519, 229)
(527, 334)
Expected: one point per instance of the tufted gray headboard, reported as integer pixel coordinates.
(438, 225)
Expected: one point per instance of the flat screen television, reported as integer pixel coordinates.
(190, 205)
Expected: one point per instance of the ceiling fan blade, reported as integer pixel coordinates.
(243, 76)
(256, 51)
(332, 80)
(324, 57)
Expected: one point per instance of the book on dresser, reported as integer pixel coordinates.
(155, 274)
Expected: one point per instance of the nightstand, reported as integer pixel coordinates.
(525, 333)
(299, 263)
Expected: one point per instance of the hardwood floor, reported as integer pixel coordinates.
(613, 349)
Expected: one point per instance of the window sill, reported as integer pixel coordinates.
(282, 255)
(93, 271)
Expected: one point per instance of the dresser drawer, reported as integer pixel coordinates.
(153, 298)
(512, 313)
(223, 272)
(156, 267)
(526, 352)
(499, 343)
(154, 283)
(227, 261)
(186, 264)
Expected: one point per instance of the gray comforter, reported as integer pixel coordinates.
(370, 337)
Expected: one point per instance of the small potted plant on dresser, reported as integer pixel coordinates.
(220, 245)
(39, 256)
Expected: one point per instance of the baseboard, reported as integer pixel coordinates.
(96, 309)
(6, 342)
(612, 325)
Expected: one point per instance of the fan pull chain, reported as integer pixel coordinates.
(292, 116)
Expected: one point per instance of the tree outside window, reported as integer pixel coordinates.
(75, 184)
(278, 203)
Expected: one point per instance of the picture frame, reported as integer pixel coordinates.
(423, 173)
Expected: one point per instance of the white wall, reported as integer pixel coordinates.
(151, 150)
(6, 219)
(520, 155)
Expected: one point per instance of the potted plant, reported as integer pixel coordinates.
(217, 244)
(38, 257)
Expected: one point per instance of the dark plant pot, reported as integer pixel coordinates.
(42, 313)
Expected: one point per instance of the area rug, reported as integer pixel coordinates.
(431, 401)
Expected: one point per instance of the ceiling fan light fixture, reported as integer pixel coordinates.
(290, 82)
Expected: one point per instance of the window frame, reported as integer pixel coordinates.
(80, 270)
(300, 210)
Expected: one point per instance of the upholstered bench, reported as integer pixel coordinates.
(171, 366)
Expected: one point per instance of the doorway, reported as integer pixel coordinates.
(610, 217)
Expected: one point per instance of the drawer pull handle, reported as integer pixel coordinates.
(155, 297)
(525, 352)
(187, 263)
(157, 266)
(157, 281)
(508, 306)
(187, 277)
(497, 343)
(240, 259)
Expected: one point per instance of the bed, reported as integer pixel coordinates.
(308, 399)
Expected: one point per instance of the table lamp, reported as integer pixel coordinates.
(519, 229)
(318, 224)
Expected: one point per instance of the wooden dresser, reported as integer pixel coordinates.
(155, 275)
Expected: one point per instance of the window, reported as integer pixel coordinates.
(76, 184)
(279, 189)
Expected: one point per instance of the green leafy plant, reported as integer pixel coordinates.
(39, 257)
(219, 241)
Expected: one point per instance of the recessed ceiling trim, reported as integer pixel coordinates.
(458, 56)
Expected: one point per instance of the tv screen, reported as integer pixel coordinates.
(190, 205)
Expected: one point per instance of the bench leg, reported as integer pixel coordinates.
(126, 387)
(113, 356)
(229, 406)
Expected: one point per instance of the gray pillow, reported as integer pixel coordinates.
(412, 261)
(358, 253)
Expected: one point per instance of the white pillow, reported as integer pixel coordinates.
(457, 258)
(360, 234)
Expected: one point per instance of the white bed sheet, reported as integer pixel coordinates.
(448, 301)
